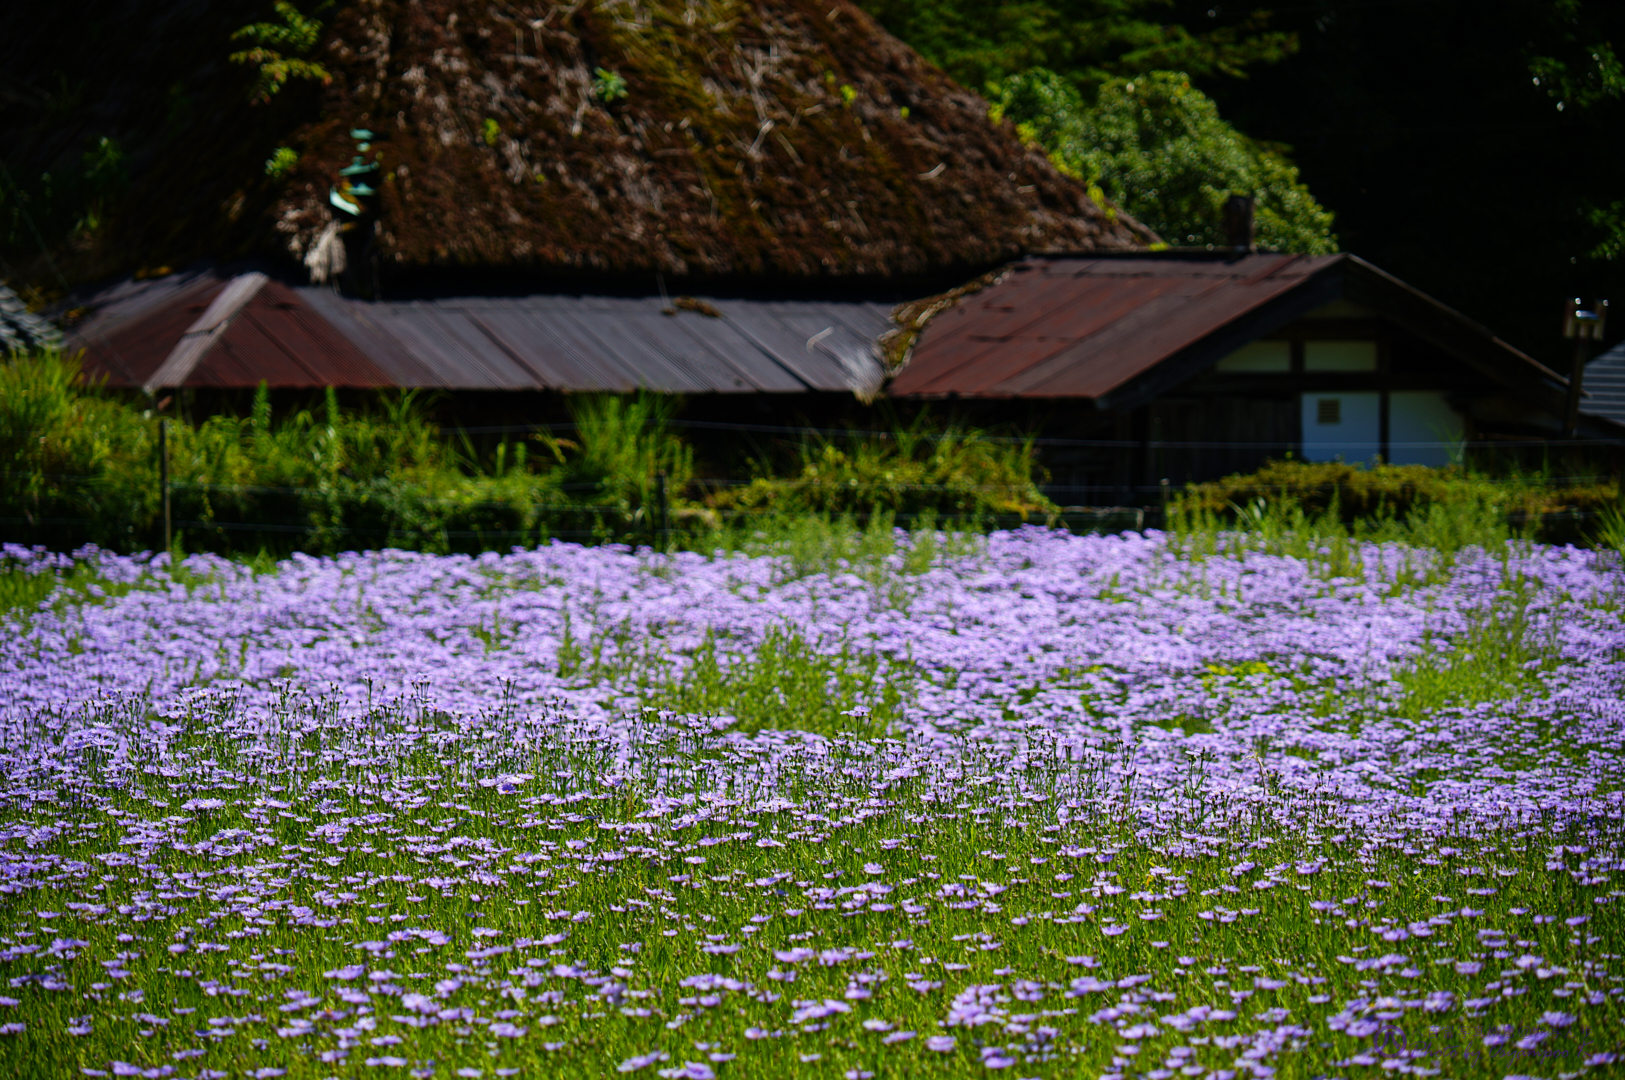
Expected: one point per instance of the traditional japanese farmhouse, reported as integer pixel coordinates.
(764, 214)
(1189, 365)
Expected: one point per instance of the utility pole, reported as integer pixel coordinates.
(163, 479)
(1581, 327)
(663, 511)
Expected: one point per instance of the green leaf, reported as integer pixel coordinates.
(295, 34)
(608, 86)
(281, 163)
(1157, 147)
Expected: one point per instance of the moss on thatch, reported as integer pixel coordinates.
(780, 137)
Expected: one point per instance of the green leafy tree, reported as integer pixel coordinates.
(1157, 147)
(1086, 42)
(1586, 69)
(273, 44)
(1578, 67)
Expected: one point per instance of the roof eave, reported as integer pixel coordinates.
(1319, 288)
(1443, 326)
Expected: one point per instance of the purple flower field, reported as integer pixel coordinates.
(1037, 805)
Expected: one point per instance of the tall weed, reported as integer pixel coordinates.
(66, 452)
(621, 445)
(953, 473)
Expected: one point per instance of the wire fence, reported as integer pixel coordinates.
(804, 483)
(366, 509)
(833, 434)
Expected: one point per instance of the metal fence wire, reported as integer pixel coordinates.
(1143, 503)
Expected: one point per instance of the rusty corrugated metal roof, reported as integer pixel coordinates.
(130, 328)
(615, 343)
(276, 338)
(1084, 326)
(203, 329)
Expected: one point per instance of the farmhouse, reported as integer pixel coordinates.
(1190, 365)
(1133, 366)
(761, 214)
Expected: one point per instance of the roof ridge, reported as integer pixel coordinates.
(203, 333)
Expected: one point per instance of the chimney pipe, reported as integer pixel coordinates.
(1238, 223)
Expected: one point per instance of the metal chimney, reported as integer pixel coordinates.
(1238, 223)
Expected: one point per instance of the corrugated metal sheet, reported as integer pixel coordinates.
(310, 337)
(204, 334)
(130, 329)
(615, 343)
(1604, 385)
(21, 330)
(1081, 327)
(278, 339)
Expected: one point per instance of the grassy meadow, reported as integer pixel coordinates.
(828, 802)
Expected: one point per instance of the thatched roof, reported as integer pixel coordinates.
(778, 137)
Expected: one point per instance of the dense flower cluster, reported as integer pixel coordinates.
(1057, 805)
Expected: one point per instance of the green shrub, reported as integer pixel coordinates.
(954, 474)
(1157, 147)
(1446, 508)
(82, 465)
(70, 457)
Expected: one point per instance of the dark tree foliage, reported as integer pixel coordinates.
(1086, 42)
(1472, 147)
(1155, 145)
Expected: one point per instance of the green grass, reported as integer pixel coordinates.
(81, 465)
(999, 870)
(1003, 867)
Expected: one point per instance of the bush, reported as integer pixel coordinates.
(82, 466)
(1395, 500)
(69, 456)
(951, 474)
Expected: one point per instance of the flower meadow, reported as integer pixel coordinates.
(1025, 805)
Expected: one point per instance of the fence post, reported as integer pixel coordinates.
(664, 520)
(1619, 478)
(1163, 484)
(163, 479)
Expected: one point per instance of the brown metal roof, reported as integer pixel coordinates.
(1123, 329)
(277, 338)
(235, 331)
(132, 327)
(1082, 327)
(219, 331)
(609, 343)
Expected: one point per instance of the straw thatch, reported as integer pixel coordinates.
(780, 137)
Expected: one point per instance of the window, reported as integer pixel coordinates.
(1329, 410)
(1340, 356)
(1259, 356)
